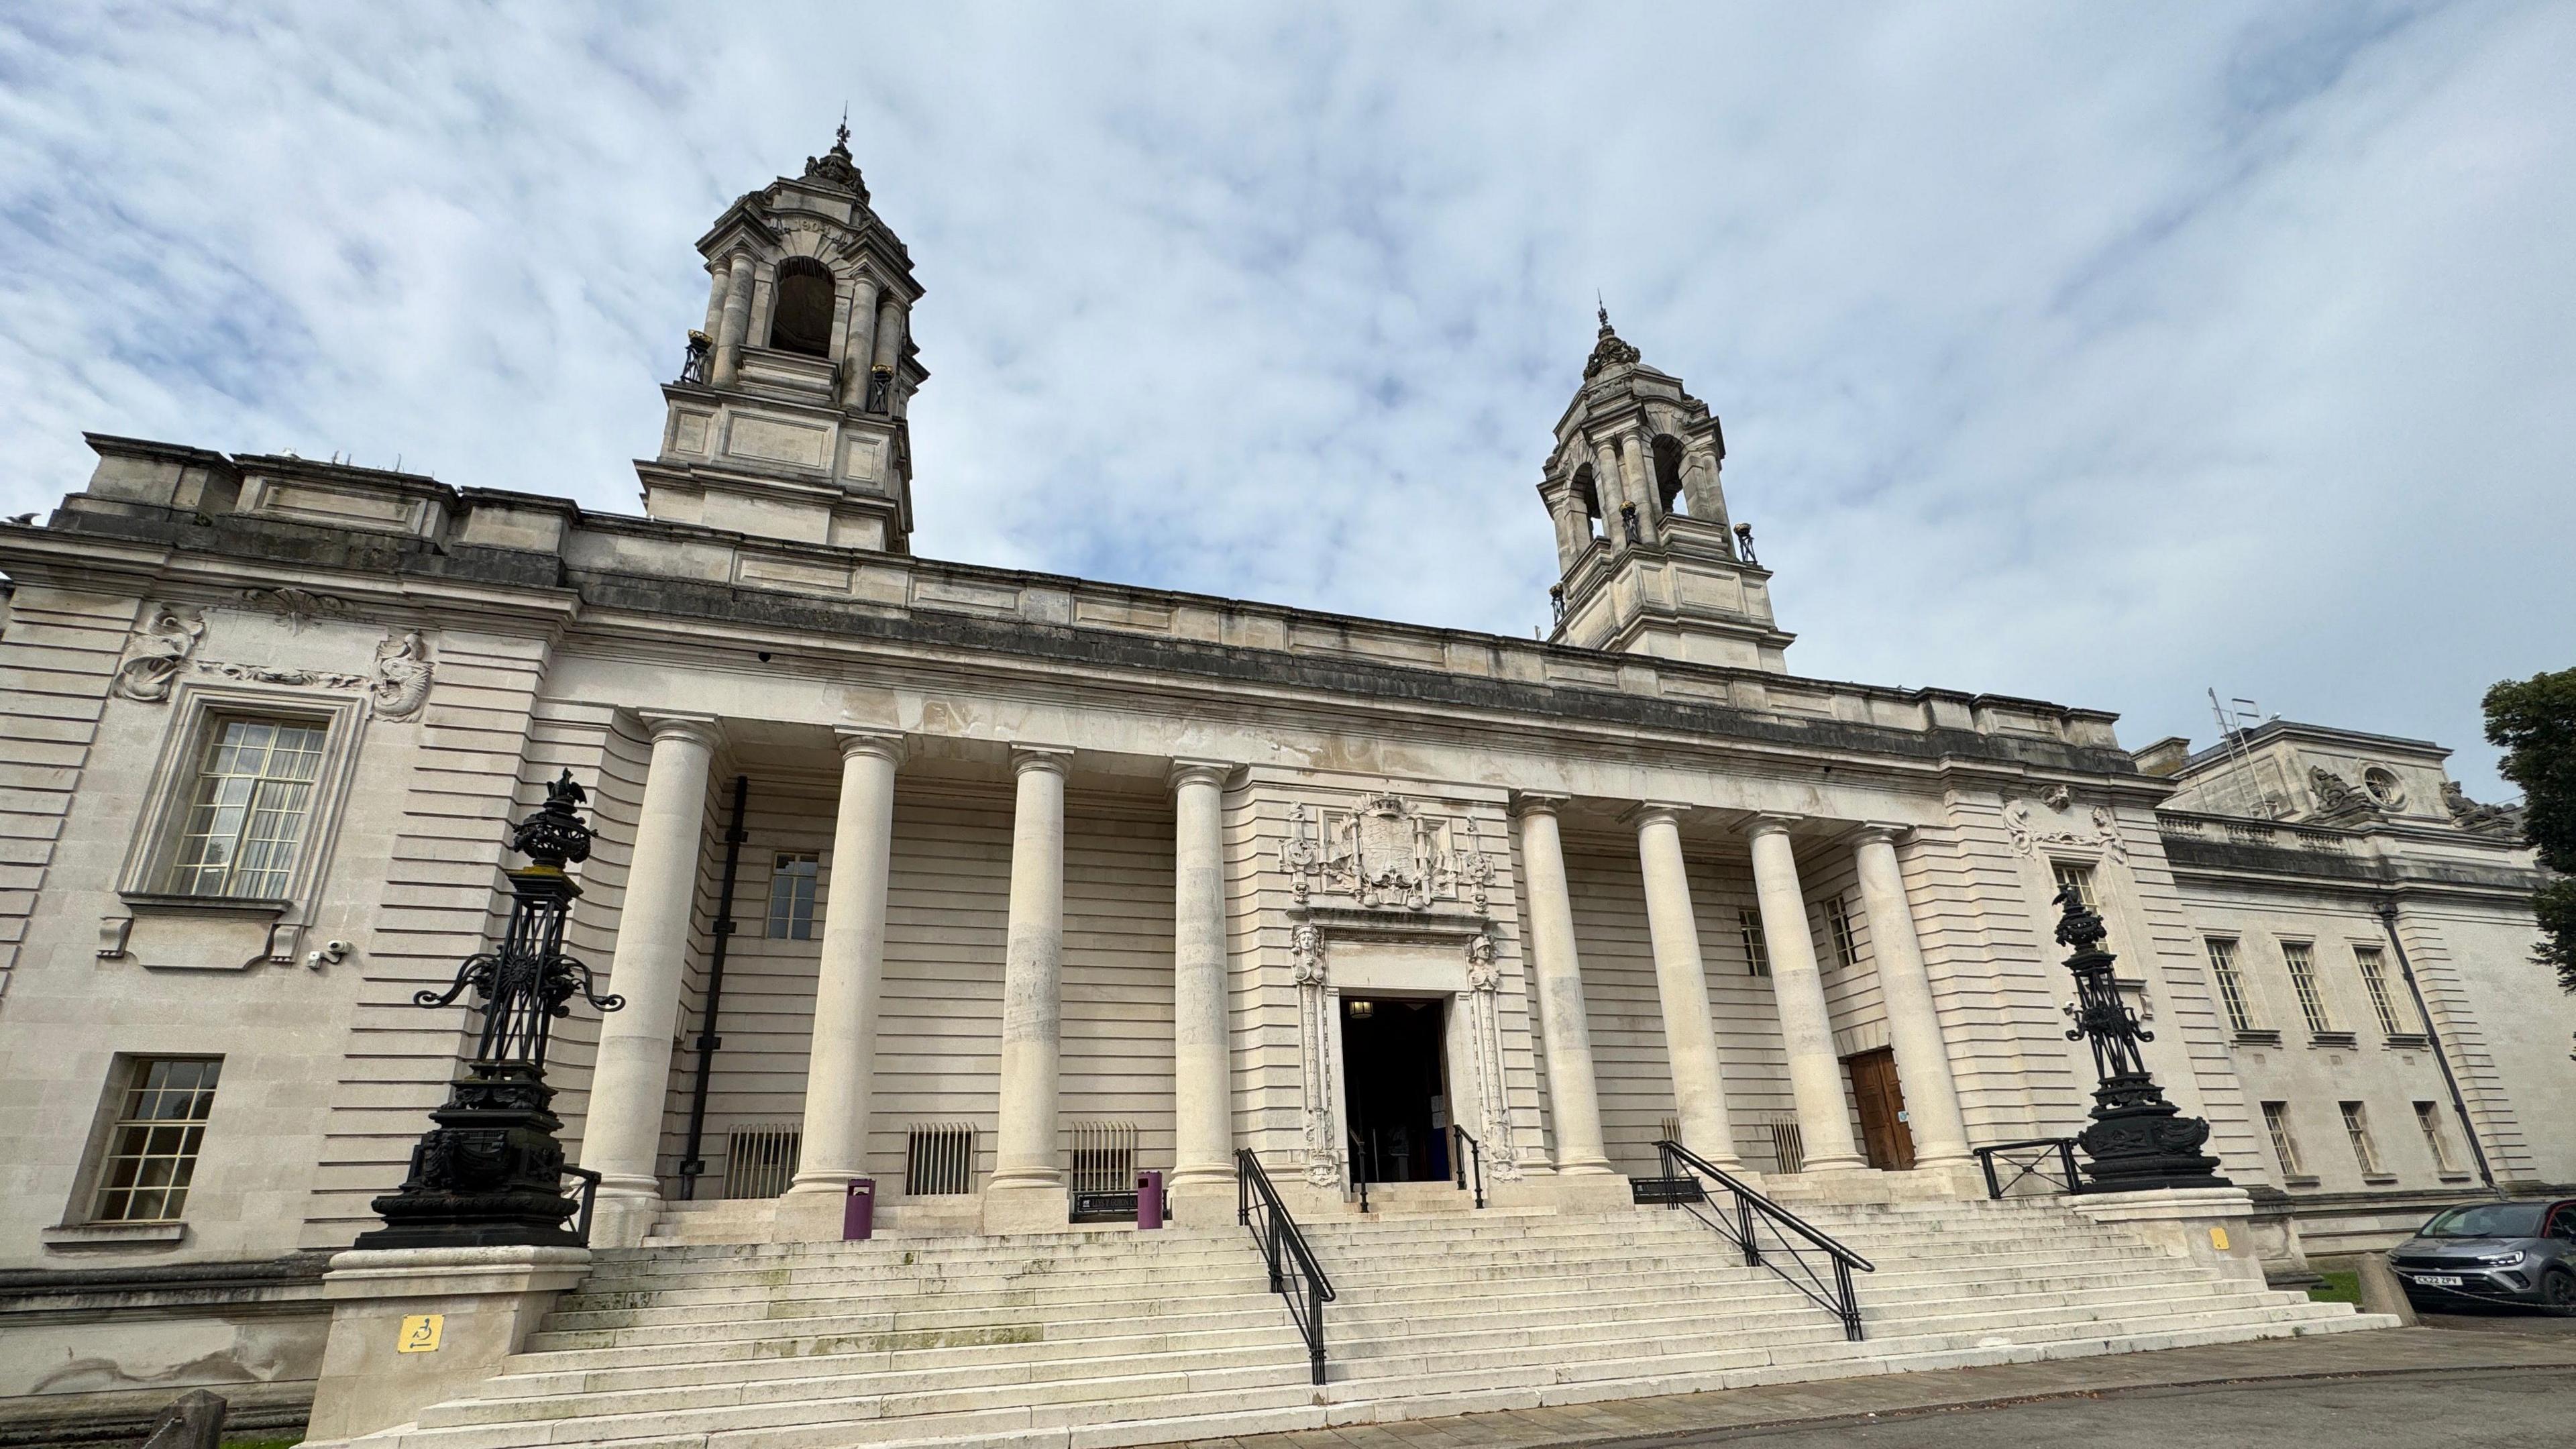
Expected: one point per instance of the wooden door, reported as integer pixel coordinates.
(1883, 1131)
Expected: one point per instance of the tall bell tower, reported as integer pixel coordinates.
(788, 417)
(1650, 565)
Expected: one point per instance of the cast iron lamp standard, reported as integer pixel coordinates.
(2138, 1140)
(491, 1172)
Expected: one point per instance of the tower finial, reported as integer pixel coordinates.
(1602, 309)
(844, 132)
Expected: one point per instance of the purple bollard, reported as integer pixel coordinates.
(859, 1211)
(1149, 1199)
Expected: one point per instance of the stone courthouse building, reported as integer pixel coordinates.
(995, 888)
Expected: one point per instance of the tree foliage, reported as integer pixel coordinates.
(2534, 721)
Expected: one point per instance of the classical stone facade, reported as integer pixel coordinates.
(1020, 883)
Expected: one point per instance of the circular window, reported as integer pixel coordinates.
(2382, 784)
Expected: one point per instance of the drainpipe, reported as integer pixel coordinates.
(2432, 1033)
(692, 1165)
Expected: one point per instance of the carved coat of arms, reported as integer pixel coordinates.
(1388, 855)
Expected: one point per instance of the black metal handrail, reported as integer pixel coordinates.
(1471, 1161)
(2032, 1167)
(589, 1199)
(1756, 1214)
(1363, 1158)
(1294, 1274)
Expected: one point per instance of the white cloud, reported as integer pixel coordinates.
(2098, 354)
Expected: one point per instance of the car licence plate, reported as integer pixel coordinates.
(2438, 1280)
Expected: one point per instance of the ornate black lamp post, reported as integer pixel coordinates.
(491, 1172)
(2138, 1140)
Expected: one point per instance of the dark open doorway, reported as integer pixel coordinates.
(1393, 1083)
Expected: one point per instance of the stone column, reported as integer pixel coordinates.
(734, 327)
(1202, 1090)
(859, 348)
(1027, 1191)
(1681, 980)
(841, 1060)
(1564, 1024)
(1640, 474)
(1611, 490)
(1913, 1027)
(1806, 1028)
(622, 1129)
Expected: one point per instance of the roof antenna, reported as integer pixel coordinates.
(845, 124)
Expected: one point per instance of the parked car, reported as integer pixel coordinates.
(2493, 1252)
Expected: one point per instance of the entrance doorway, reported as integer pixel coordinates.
(1397, 1092)
(1884, 1135)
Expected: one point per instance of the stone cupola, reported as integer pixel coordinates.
(1649, 560)
(787, 420)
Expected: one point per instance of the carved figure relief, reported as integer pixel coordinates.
(2479, 819)
(1388, 855)
(2335, 794)
(157, 652)
(2033, 828)
(1485, 1032)
(403, 675)
(1314, 1031)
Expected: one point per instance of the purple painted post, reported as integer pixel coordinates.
(1149, 1199)
(859, 1211)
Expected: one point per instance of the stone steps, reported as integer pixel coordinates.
(1112, 1338)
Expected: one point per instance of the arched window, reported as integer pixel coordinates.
(1668, 472)
(1588, 496)
(801, 321)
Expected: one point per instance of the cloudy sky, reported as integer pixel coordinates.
(2097, 353)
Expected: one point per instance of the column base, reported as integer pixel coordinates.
(1201, 1202)
(1036, 1207)
(623, 1216)
(811, 1212)
(481, 1303)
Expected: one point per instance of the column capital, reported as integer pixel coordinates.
(1537, 802)
(857, 740)
(1190, 770)
(703, 729)
(1055, 760)
(1768, 823)
(1879, 832)
(1647, 812)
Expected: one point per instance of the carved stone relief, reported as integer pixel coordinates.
(157, 652)
(399, 684)
(1387, 854)
(2053, 819)
(298, 607)
(1485, 1030)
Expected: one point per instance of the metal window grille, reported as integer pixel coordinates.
(2357, 1127)
(2231, 986)
(2067, 873)
(2285, 1145)
(1669, 1130)
(1103, 1156)
(1757, 951)
(791, 897)
(2374, 979)
(761, 1161)
(152, 1150)
(2429, 1118)
(939, 1159)
(246, 816)
(1788, 1145)
(2303, 979)
(1838, 924)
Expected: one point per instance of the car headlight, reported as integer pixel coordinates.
(2500, 1260)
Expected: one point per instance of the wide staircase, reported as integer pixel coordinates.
(1122, 1337)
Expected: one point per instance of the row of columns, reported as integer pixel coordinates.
(871, 320)
(1681, 983)
(622, 1134)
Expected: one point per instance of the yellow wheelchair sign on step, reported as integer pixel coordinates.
(420, 1333)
